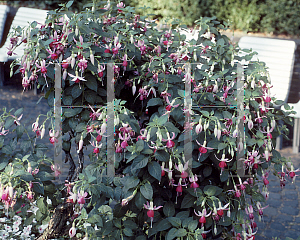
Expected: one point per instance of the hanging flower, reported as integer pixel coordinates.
(151, 209)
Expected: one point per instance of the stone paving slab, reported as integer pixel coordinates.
(282, 217)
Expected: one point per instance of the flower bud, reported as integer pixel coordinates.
(80, 144)
(43, 131)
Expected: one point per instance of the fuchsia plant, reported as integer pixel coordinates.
(154, 127)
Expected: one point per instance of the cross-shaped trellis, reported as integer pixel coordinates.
(110, 142)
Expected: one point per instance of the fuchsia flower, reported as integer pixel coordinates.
(249, 211)
(72, 231)
(42, 67)
(82, 65)
(170, 143)
(53, 136)
(125, 139)
(151, 209)
(76, 78)
(223, 162)
(182, 169)
(199, 127)
(81, 196)
(3, 132)
(203, 215)
(141, 45)
(260, 210)
(194, 184)
(101, 69)
(97, 147)
(143, 135)
(265, 179)
(17, 119)
(202, 149)
(56, 169)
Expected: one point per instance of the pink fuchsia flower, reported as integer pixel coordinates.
(143, 135)
(193, 179)
(249, 211)
(203, 215)
(151, 209)
(292, 173)
(199, 127)
(82, 64)
(101, 69)
(96, 147)
(76, 78)
(182, 169)
(260, 210)
(17, 119)
(125, 139)
(53, 136)
(81, 196)
(202, 149)
(265, 179)
(237, 192)
(72, 231)
(56, 169)
(170, 143)
(223, 162)
(220, 210)
(165, 95)
(3, 132)
(93, 114)
(171, 104)
(141, 45)
(42, 67)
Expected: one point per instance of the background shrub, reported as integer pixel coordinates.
(271, 16)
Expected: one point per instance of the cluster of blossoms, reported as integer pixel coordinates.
(14, 229)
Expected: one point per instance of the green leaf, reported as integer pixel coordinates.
(76, 91)
(3, 164)
(139, 162)
(140, 145)
(181, 93)
(128, 232)
(67, 100)
(154, 170)
(207, 171)
(29, 220)
(154, 102)
(91, 83)
(131, 182)
(147, 191)
(188, 201)
(18, 112)
(169, 209)
(163, 225)
(140, 200)
(221, 146)
(183, 215)
(210, 190)
(71, 112)
(251, 141)
(80, 127)
(69, 4)
(26, 176)
(171, 234)
(162, 155)
(224, 176)
(41, 203)
(130, 224)
(181, 232)
(8, 123)
(176, 222)
(193, 225)
(162, 120)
